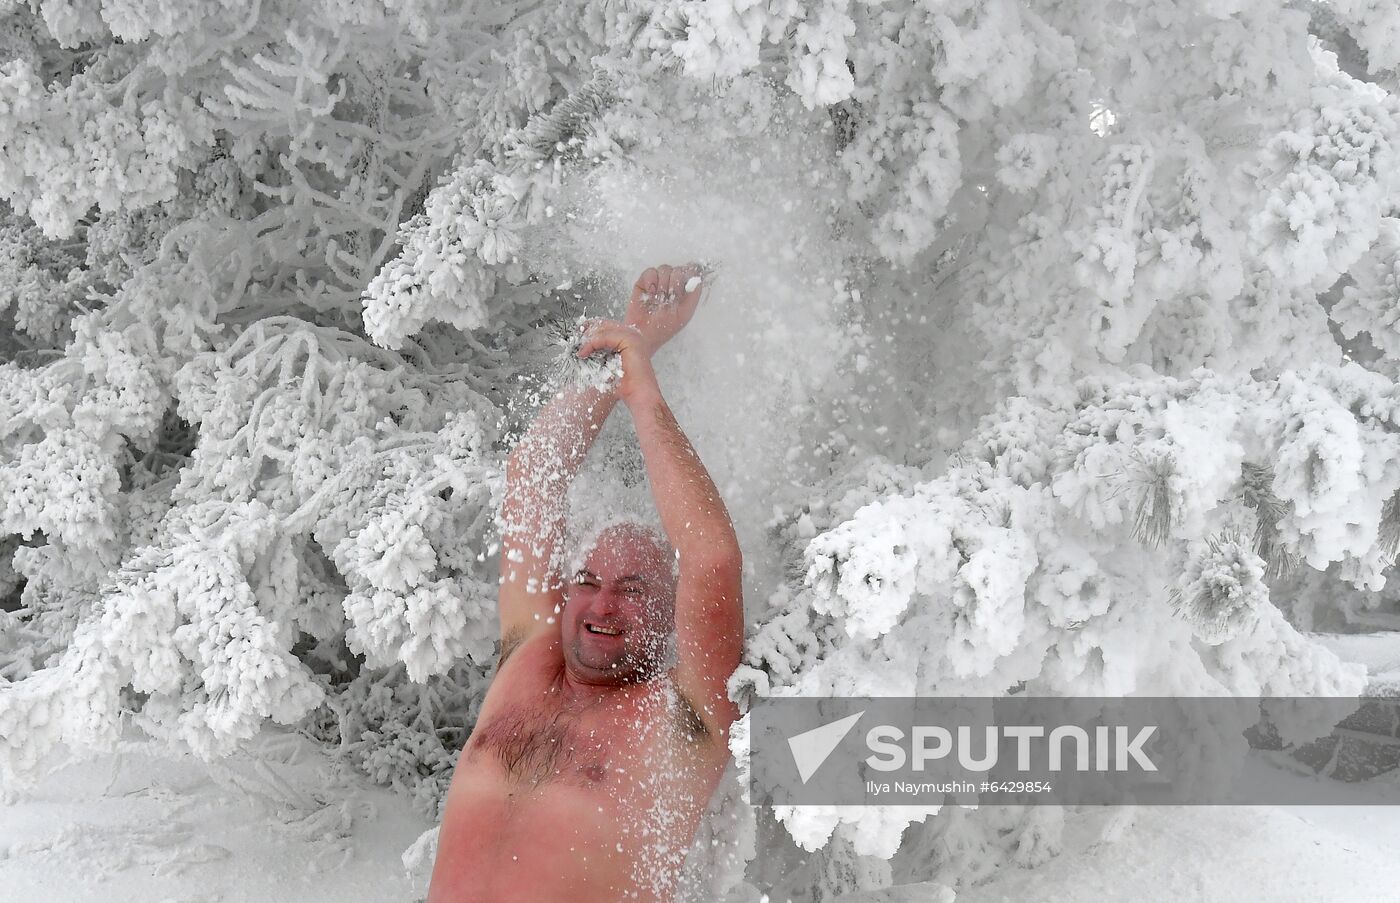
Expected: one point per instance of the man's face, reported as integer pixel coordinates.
(619, 608)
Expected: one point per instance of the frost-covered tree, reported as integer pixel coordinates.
(1053, 348)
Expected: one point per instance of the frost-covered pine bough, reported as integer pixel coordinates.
(1065, 343)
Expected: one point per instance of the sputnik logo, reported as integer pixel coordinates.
(811, 748)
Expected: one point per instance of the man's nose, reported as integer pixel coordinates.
(605, 603)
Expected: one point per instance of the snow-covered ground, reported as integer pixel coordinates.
(154, 827)
(142, 825)
(1379, 652)
(1203, 854)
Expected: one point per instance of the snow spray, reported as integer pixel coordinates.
(745, 375)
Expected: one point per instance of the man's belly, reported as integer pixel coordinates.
(560, 841)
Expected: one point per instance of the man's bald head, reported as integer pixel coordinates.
(619, 605)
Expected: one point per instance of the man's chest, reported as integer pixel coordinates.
(596, 801)
(535, 737)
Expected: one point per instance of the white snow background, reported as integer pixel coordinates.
(1051, 347)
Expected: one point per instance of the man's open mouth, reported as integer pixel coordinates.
(605, 631)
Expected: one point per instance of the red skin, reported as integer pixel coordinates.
(595, 753)
(626, 583)
(614, 820)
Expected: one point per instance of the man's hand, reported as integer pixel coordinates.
(638, 378)
(664, 299)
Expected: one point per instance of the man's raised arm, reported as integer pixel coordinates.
(546, 460)
(709, 601)
(538, 473)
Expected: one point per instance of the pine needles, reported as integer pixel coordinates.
(1223, 590)
(1269, 510)
(566, 368)
(1153, 515)
(1389, 538)
(566, 124)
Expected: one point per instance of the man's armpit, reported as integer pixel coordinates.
(509, 643)
(688, 718)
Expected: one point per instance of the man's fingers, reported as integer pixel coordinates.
(692, 287)
(646, 285)
(593, 344)
(669, 286)
(675, 286)
(694, 278)
(606, 335)
(663, 282)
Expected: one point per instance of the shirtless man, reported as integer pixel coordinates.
(596, 751)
